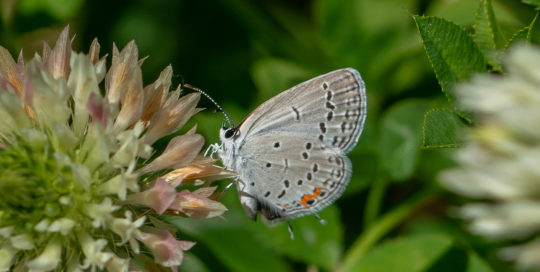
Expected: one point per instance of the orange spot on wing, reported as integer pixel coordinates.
(325, 183)
(308, 197)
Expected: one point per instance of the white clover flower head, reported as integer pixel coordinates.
(500, 160)
(80, 178)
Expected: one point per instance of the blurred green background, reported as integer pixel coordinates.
(394, 215)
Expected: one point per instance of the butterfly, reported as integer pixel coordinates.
(290, 152)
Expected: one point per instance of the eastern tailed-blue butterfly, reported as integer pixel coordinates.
(290, 152)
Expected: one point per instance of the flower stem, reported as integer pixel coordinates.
(374, 201)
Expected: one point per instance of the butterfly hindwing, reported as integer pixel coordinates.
(291, 182)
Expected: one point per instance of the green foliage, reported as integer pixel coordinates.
(401, 137)
(59, 9)
(441, 129)
(452, 51)
(487, 34)
(525, 34)
(243, 52)
(533, 2)
(409, 254)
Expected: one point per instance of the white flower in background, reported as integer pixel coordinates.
(500, 164)
(81, 186)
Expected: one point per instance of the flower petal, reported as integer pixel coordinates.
(121, 69)
(93, 251)
(197, 206)
(132, 101)
(198, 169)
(48, 259)
(10, 74)
(179, 152)
(57, 62)
(7, 253)
(172, 116)
(118, 264)
(62, 225)
(159, 197)
(83, 82)
(22, 241)
(100, 213)
(167, 250)
(155, 93)
(128, 229)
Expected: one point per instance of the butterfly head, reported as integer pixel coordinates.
(227, 136)
(227, 133)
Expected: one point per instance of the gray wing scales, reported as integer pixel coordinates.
(330, 108)
(292, 176)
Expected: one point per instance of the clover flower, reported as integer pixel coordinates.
(81, 186)
(500, 163)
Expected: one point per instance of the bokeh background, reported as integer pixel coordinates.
(243, 52)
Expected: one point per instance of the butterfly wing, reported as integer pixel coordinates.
(290, 152)
(289, 182)
(330, 108)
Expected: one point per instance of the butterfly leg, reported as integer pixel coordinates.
(322, 221)
(289, 227)
(228, 186)
(212, 149)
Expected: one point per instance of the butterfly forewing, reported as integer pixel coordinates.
(330, 108)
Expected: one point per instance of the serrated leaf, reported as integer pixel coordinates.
(487, 35)
(407, 254)
(524, 34)
(452, 52)
(441, 129)
(401, 137)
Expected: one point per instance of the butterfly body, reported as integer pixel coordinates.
(290, 152)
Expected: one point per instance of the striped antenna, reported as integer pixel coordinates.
(226, 114)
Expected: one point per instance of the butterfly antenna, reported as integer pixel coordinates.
(226, 114)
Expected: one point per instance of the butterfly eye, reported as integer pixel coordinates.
(230, 132)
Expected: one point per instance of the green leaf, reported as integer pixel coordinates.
(533, 2)
(441, 128)
(452, 52)
(476, 264)
(406, 254)
(192, 263)
(244, 245)
(59, 9)
(232, 241)
(384, 224)
(401, 137)
(487, 35)
(314, 243)
(524, 34)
